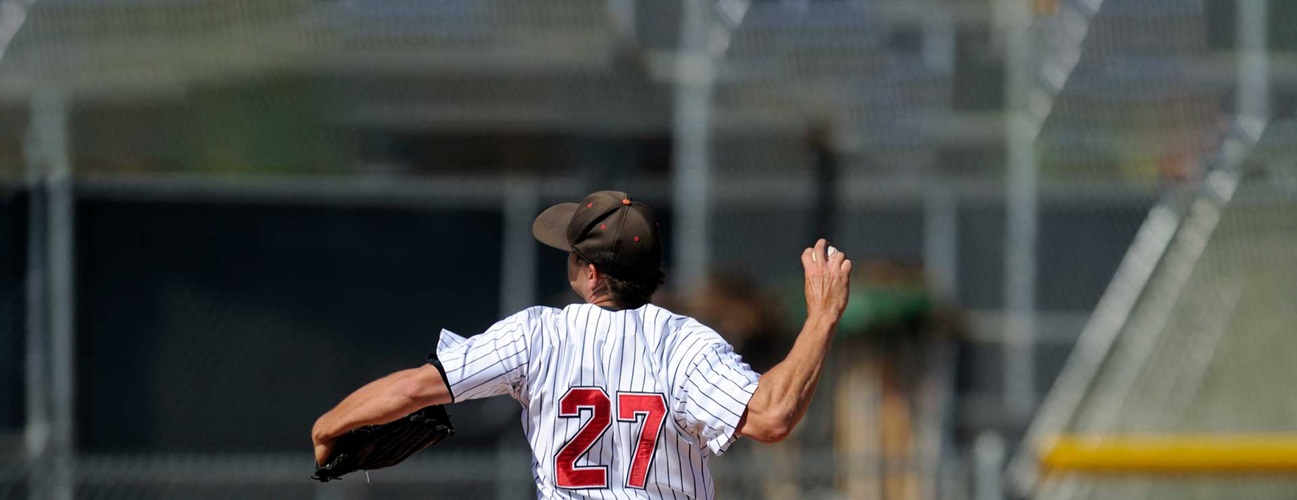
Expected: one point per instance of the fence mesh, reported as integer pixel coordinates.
(218, 142)
(1216, 362)
(1203, 352)
(1144, 99)
(1198, 354)
(260, 185)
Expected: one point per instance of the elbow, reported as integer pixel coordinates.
(770, 428)
(780, 430)
(773, 435)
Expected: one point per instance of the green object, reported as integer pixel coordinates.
(872, 307)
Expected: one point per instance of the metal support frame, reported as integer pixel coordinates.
(50, 301)
(622, 13)
(824, 222)
(691, 175)
(1200, 222)
(989, 450)
(1098, 337)
(1150, 250)
(1253, 97)
(518, 257)
(1040, 55)
(941, 240)
(1021, 213)
(38, 423)
(13, 14)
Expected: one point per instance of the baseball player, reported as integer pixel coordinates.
(620, 398)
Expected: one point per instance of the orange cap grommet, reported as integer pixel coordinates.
(625, 201)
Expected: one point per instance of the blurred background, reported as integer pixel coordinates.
(1069, 218)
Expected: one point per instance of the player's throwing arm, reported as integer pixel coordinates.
(785, 391)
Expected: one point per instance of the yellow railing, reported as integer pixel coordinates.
(1175, 453)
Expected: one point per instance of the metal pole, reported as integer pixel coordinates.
(691, 175)
(824, 217)
(939, 41)
(622, 13)
(941, 240)
(13, 13)
(518, 257)
(1154, 249)
(1021, 212)
(989, 450)
(1254, 65)
(1202, 220)
(50, 301)
(37, 433)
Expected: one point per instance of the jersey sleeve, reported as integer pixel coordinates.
(716, 393)
(491, 363)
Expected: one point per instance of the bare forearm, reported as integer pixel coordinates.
(381, 401)
(784, 392)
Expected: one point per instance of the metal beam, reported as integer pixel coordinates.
(1153, 248)
(485, 193)
(691, 172)
(518, 256)
(1021, 212)
(37, 432)
(51, 303)
(941, 241)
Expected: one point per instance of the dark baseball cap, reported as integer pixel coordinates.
(620, 236)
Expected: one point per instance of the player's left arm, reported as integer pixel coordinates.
(384, 400)
(488, 364)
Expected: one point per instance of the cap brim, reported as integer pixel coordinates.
(550, 227)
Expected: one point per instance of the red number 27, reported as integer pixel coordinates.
(630, 406)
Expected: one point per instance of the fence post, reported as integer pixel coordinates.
(50, 300)
(1021, 213)
(691, 156)
(989, 452)
(518, 255)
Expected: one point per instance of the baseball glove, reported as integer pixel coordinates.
(379, 446)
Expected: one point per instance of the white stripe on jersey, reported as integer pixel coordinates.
(583, 367)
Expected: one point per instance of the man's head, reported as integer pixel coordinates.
(614, 246)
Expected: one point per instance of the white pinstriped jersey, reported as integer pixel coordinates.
(616, 404)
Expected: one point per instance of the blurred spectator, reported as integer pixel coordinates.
(747, 316)
(883, 376)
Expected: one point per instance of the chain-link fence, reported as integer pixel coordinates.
(1183, 345)
(216, 218)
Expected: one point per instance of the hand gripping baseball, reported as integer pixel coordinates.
(828, 280)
